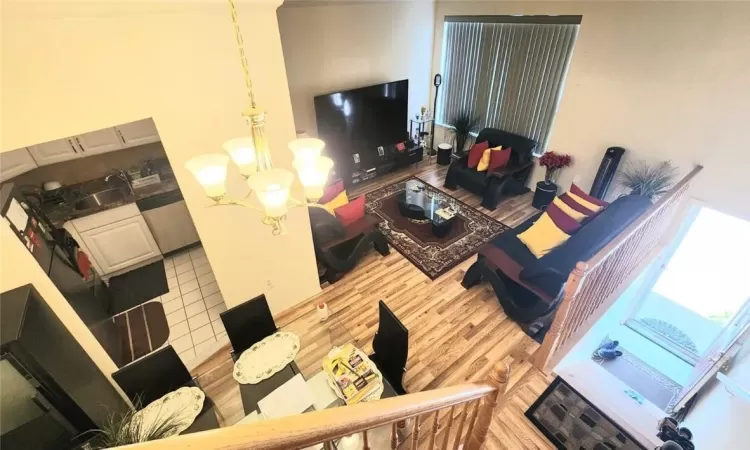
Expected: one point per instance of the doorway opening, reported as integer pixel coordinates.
(697, 286)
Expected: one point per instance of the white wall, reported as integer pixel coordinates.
(666, 80)
(330, 47)
(74, 67)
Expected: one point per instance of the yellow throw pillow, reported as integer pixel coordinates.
(543, 237)
(585, 203)
(339, 200)
(484, 163)
(578, 216)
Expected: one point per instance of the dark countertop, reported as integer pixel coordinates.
(61, 213)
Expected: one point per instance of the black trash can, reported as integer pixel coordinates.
(444, 154)
(543, 195)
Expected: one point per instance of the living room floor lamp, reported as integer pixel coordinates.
(253, 158)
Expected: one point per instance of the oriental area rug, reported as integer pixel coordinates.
(434, 253)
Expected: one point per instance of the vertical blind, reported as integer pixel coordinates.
(510, 75)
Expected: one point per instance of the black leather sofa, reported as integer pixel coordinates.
(529, 289)
(507, 181)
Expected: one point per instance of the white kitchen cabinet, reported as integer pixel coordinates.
(121, 244)
(55, 151)
(115, 239)
(99, 141)
(15, 163)
(138, 133)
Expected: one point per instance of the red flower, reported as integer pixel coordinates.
(552, 160)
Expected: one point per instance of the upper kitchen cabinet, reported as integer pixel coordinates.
(96, 142)
(138, 133)
(15, 163)
(100, 141)
(55, 151)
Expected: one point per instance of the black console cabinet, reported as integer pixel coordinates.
(390, 161)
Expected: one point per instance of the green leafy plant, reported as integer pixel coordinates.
(649, 180)
(128, 428)
(464, 123)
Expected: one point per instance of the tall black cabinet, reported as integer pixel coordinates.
(58, 392)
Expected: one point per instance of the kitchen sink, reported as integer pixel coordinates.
(102, 198)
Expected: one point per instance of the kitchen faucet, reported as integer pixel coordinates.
(123, 176)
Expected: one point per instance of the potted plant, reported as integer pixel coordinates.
(553, 162)
(649, 180)
(463, 123)
(130, 428)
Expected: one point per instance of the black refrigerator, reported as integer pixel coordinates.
(52, 391)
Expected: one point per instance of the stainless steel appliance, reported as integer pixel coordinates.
(169, 220)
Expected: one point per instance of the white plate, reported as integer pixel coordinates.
(183, 405)
(265, 358)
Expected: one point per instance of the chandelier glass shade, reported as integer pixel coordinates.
(252, 157)
(242, 152)
(211, 172)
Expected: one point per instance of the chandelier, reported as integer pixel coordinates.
(253, 158)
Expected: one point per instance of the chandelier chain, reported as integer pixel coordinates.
(243, 57)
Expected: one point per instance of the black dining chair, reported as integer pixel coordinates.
(391, 348)
(248, 323)
(159, 373)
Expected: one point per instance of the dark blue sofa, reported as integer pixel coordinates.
(529, 289)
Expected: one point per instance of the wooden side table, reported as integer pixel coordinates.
(543, 195)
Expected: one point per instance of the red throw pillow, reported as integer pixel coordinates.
(331, 191)
(575, 205)
(476, 152)
(579, 192)
(499, 159)
(351, 212)
(567, 224)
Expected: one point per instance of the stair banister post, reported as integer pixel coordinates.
(498, 378)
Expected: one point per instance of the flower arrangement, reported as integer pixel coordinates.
(554, 162)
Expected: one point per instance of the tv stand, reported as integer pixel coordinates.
(393, 160)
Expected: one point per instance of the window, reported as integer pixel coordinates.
(509, 71)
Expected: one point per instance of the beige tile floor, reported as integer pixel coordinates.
(193, 305)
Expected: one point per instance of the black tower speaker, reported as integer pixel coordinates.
(606, 171)
(438, 80)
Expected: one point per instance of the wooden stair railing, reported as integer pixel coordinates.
(323, 427)
(594, 285)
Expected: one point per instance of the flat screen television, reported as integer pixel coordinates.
(358, 121)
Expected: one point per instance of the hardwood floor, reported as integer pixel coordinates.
(455, 335)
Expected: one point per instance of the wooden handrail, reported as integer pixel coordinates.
(594, 285)
(316, 427)
(663, 201)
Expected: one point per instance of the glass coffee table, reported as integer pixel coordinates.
(418, 204)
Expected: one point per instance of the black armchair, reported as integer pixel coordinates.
(338, 249)
(507, 181)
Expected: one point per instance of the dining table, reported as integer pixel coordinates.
(317, 339)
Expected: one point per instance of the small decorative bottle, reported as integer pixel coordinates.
(322, 309)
